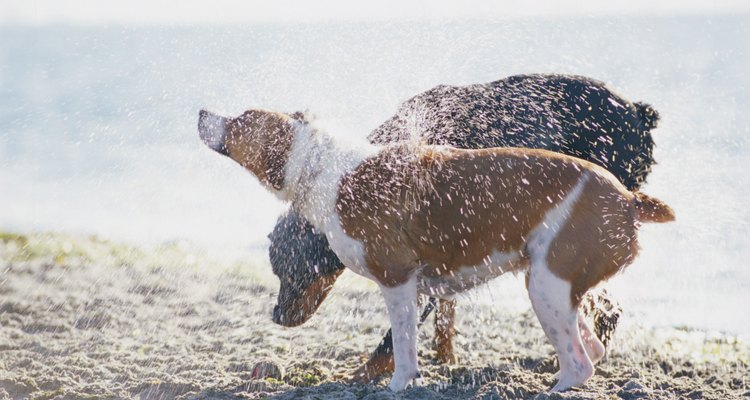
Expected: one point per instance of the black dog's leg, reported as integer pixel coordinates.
(605, 311)
(606, 314)
(386, 345)
(381, 360)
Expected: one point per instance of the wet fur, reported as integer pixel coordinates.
(400, 214)
(528, 110)
(415, 218)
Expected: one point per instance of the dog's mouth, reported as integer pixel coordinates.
(296, 305)
(289, 317)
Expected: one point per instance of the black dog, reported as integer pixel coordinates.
(573, 115)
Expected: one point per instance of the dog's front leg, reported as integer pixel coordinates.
(401, 302)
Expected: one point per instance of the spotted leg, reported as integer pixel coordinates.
(550, 298)
(401, 303)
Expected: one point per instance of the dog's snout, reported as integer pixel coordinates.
(207, 122)
(212, 129)
(202, 114)
(288, 315)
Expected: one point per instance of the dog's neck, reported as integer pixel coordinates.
(314, 170)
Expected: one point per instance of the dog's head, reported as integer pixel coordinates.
(305, 266)
(258, 140)
(261, 142)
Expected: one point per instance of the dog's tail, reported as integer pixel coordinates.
(649, 116)
(650, 209)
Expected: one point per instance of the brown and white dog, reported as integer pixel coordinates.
(439, 220)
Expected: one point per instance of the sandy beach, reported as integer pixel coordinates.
(82, 318)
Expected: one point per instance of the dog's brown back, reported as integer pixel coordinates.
(445, 209)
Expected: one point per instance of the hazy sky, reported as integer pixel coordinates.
(227, 11)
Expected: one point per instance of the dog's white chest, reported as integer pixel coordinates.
(351, 252)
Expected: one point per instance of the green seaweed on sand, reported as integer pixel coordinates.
(60, 249)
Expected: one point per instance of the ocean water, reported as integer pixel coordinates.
(98, 128)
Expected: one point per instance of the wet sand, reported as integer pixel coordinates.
(81, 318)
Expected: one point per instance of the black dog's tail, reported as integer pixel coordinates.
(649, 116)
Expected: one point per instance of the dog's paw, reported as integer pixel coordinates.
(399, 382)
(364, 375)
(377, 366)
(446, 358)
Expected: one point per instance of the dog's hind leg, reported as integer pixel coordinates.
(401, 303)
(551, 300)
(606, 315)
(598, 305)
(594, 347)
(379, 363)
(445, 321)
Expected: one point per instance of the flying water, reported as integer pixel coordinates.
(98, 129)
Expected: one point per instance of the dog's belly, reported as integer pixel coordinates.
(447, 284)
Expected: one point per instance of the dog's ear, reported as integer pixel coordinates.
(298, 115)
(302, 116)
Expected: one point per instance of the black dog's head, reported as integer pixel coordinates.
(306, 267)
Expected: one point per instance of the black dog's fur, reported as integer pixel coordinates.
(573, 115)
